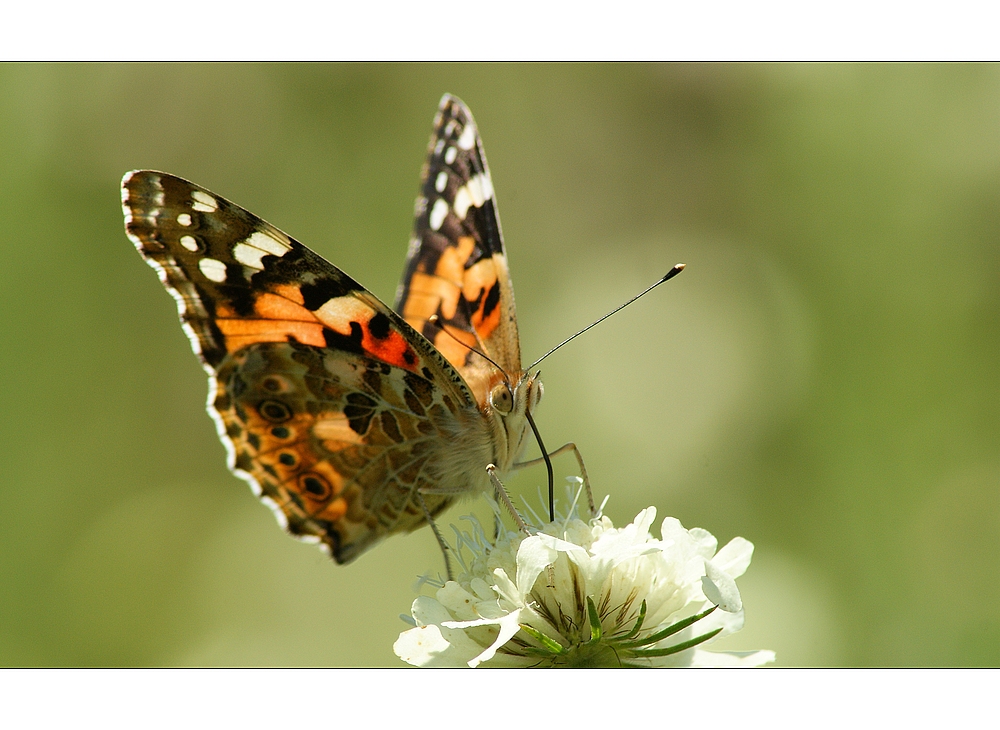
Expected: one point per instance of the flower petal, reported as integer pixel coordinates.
(425, 611)
(705, 540)
(535, 554)
(721, 589)
(434, 646)
(703, 658)
(735, 557)
(459, 602)
(509, 625)
(420, 645)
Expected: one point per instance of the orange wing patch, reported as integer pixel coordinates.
(277, 318)
(438, 291)
(372, 330)
(482, 289)
(280, 315)
(450, 285)
(457, 266)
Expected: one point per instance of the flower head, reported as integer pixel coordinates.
(584, 594)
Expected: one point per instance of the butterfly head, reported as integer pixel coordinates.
(510, 402)
(512, 399)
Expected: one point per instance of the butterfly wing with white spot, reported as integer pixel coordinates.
(457, 267)
(331, 406)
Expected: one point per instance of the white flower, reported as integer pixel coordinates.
(578, 595)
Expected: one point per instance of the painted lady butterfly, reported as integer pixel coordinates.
(352, 420)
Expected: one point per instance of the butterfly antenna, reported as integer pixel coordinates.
(436, 321)
(464, 303)
(666, 277)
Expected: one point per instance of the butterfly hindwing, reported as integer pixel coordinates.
(457, 267)
(329, 403)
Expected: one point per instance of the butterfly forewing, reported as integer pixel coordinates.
(328, 402)
(457, 266)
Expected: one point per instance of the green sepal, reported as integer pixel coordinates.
(549, 645)
(596, 630)
(677, 648)
(670, 630)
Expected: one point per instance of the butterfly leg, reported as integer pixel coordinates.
(505, 499)
(437, 533)
(579, 460)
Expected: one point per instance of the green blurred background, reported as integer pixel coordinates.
(822, 379)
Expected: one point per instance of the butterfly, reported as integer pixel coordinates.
(350, 419)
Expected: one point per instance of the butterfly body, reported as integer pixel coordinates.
(353, 421)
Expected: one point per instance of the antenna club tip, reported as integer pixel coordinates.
(678, 268)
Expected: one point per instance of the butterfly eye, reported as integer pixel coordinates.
(501, 398)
